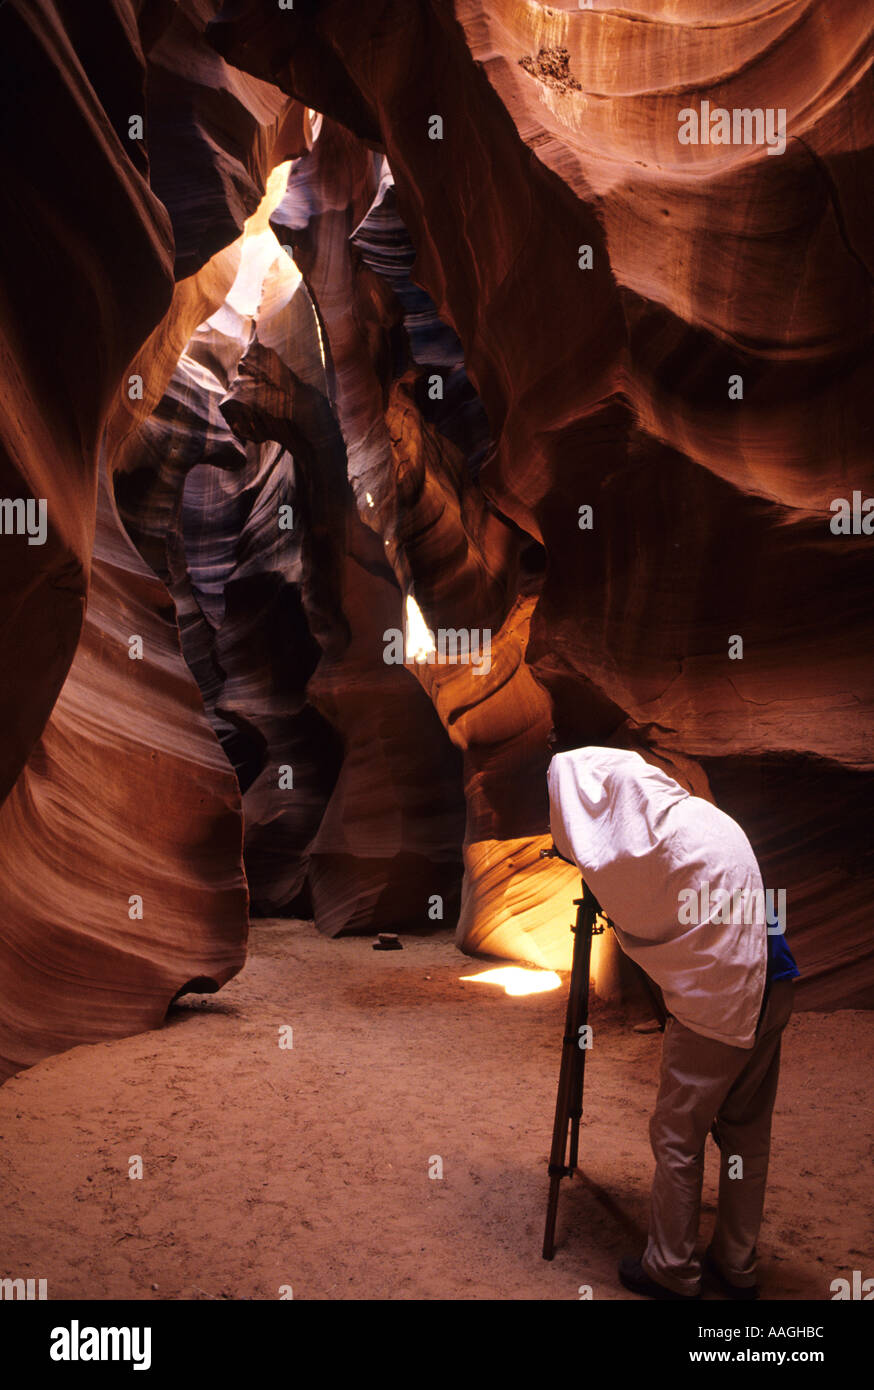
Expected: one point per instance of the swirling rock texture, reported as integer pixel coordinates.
(253, 597)
(495, 197)
(415, 438)
(390, 836)
(204, 511)
(609, 386)
(115, 789)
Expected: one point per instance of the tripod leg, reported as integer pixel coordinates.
(568, 1106)
(557, 1167)
(578, 1074)
(551, 1214)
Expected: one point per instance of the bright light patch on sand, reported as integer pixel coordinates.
(419, 641)
(516, 980)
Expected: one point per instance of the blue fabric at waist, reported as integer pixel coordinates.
(781, 962)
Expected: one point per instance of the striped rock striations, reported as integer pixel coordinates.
(574, 350)
(390, 836)
(677, 336)
(120, 830)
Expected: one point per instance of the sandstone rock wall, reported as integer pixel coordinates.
(116, 789)
(676, 337)
(609, 387)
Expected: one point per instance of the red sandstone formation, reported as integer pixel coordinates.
(451, 553)
(389, 840)
(607, 284)
(117, 789)
(126, 795)
(204, 511)
(609, 386)
(255, 601)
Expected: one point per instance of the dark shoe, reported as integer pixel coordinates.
(635, 1278)
(746, 1292)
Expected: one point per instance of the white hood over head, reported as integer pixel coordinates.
(640, 840)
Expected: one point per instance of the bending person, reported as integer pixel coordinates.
(680, 882)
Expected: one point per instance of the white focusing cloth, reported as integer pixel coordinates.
(639, 839)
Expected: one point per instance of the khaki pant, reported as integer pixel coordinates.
(701, 1081)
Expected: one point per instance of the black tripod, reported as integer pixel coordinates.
(569, 1102)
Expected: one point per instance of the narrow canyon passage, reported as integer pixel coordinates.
(308, 1167)
(436, 492)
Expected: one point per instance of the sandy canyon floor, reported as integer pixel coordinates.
(308, 1166)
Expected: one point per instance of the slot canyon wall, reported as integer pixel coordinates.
(382, 300)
